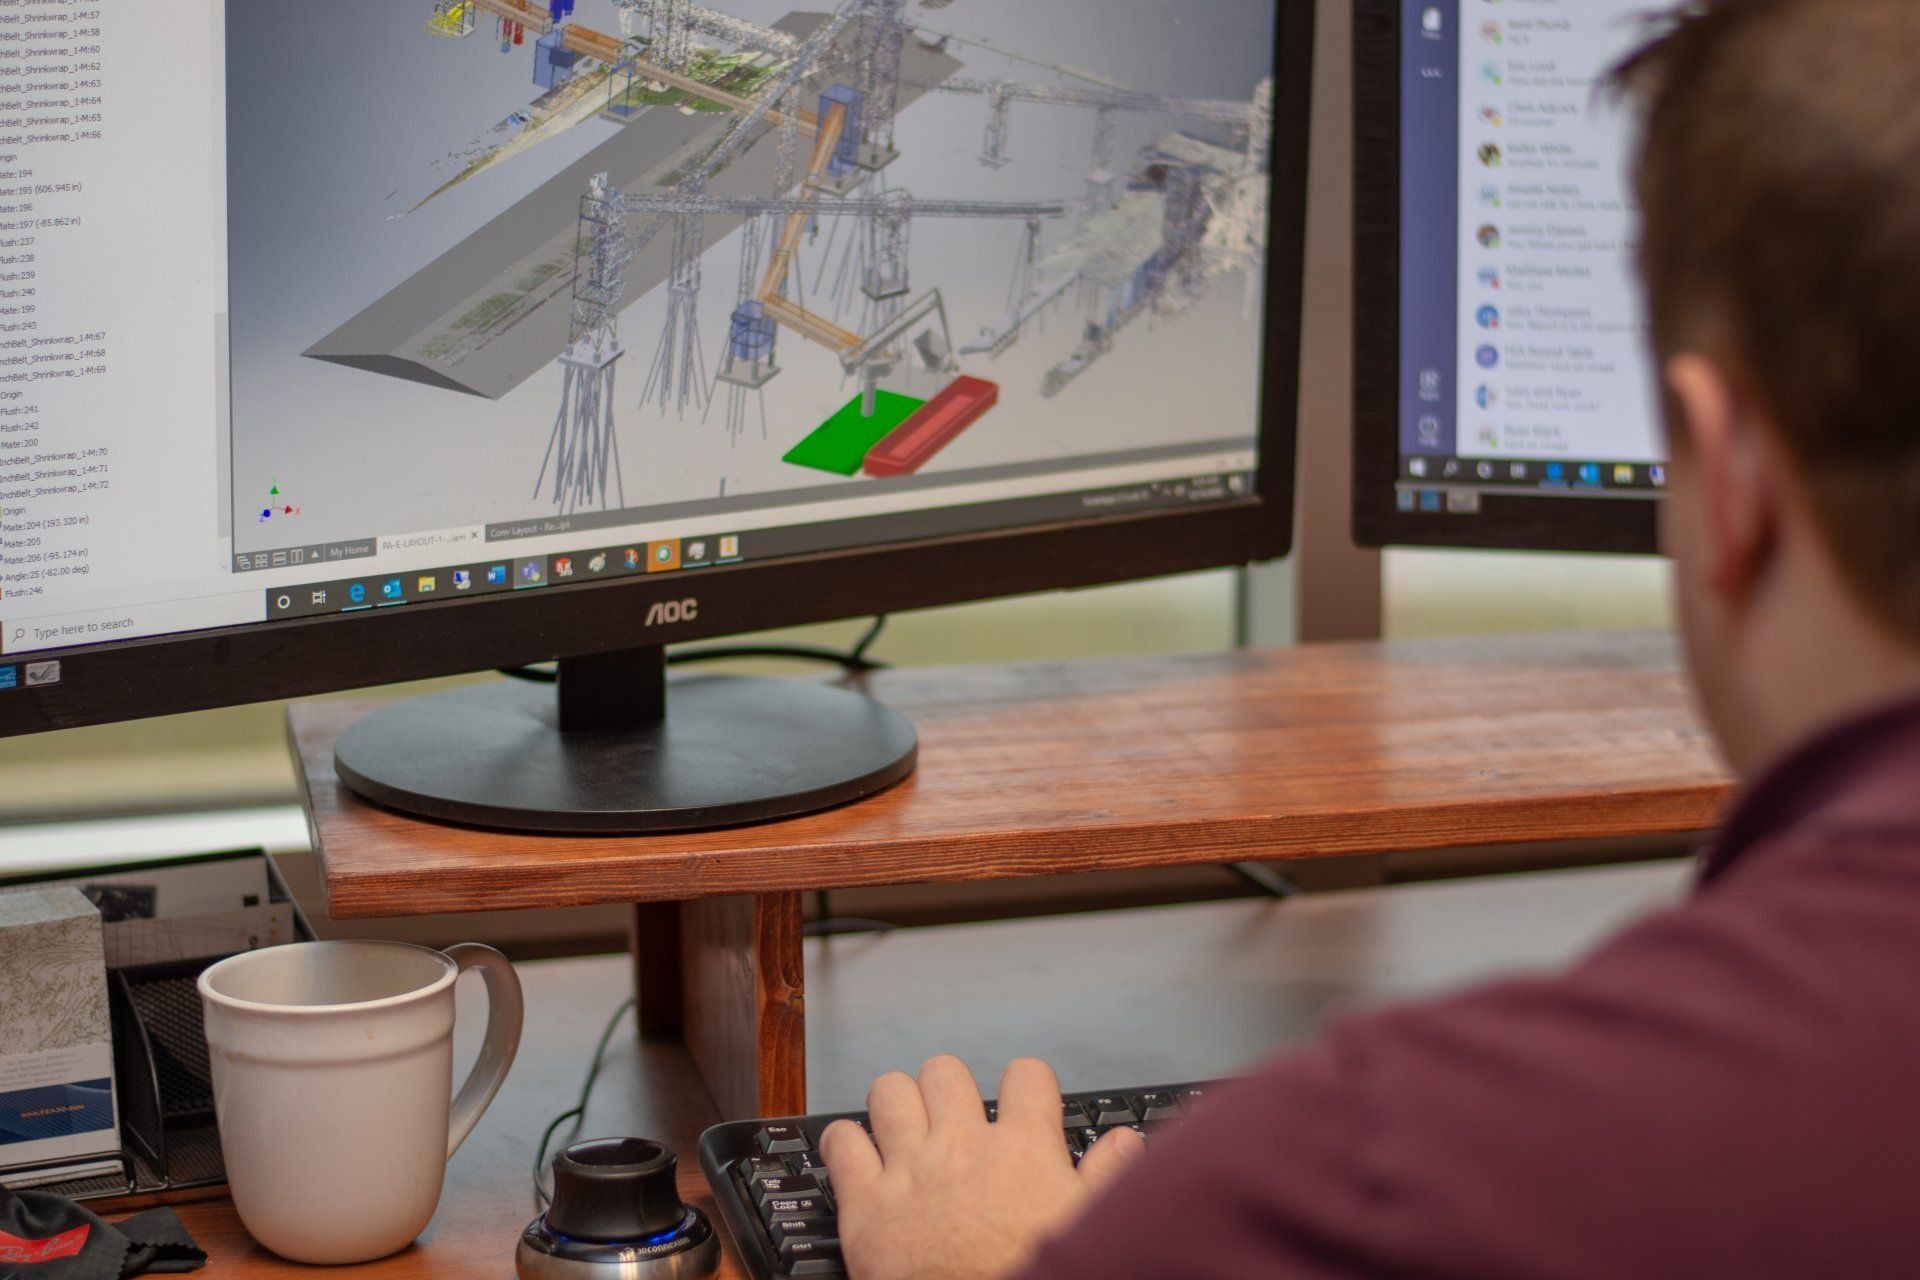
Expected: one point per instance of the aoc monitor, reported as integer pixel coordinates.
(1504, 394)
(356, 343)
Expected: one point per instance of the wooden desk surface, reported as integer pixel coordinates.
(1110, 764)
(1112, 999)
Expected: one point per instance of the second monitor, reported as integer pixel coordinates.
(1504, 396)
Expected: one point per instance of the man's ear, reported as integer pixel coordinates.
(1732, 464)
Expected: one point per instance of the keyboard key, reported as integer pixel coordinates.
(783, 1208)
(1157, 1106)
(792, 1185)
(1073, 1115)
(756, 1168)
(812, 1257)
(806, 1162)
(1109, 1109)
(993, 1112)
(1191, 1098)
(1078, 1140)
(778, 1139)
(804, 1229)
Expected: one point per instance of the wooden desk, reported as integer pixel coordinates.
(1069, 767)
(1112, 999)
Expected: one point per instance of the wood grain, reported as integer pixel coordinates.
(1110, 764)
(743, 1003)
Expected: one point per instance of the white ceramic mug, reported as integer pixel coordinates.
(333, 1084)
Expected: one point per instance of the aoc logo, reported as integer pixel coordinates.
(665, 611)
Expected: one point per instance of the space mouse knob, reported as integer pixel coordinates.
(615, 1189)
(616, 1213)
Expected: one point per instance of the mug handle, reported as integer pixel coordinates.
(504, 1010)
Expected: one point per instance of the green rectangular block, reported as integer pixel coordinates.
(842, 442)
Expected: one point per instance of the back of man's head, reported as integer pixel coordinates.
(1780, 185)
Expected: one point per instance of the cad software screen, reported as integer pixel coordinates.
(1522, 333)
(312, 309)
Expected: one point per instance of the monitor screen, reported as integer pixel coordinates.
(328, 310)
(1521, 372)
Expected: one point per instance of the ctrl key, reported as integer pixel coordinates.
(812, 1256)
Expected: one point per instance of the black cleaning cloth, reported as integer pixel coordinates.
(48, 1237)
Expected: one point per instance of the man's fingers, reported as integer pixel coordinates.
(898, 1114)
(949, 1094)
(1108, 1158)
(852, 1162)
(1030, 1095)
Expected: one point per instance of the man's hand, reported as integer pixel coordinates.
(948, 1196)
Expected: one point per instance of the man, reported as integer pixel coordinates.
(1729, 1089)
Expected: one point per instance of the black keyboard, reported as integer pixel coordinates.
(777, 1199)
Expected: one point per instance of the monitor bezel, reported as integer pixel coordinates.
(301, 657)
(1505, 521)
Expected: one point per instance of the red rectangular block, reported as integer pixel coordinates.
(909, 446)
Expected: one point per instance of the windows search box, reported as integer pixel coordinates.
(97, 626)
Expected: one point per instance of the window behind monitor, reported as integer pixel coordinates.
(1503, 394)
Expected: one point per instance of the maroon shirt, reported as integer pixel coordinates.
(1730, 1088)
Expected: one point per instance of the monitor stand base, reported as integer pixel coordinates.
(622, 750)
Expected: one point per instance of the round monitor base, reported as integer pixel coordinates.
(730, 751)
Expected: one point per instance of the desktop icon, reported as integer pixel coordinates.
(1484, 471)
(39, 673)
(1430, 385)
(1430, 503)
(1623, 474)
(663, 556)
(694, 552)
(1658, 475)
(1517, 471)
(357, 593)
(598, 564)
(563, 566)
(632, 555)
(496, 575)
(730, 548)
(1417, 468)
(393, 589)
(1451, 470)
(1433, 23)
(1589, 473)
(1405, 499)
(462, 580)
(529, 573)
(319, 597)
(1556, 473)
(1487, 357)
(1487, 317)
(428, 583)
(9, 677)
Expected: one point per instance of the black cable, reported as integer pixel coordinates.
(576, 1113)
(854, 659)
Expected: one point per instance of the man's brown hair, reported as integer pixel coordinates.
(1779, 181)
